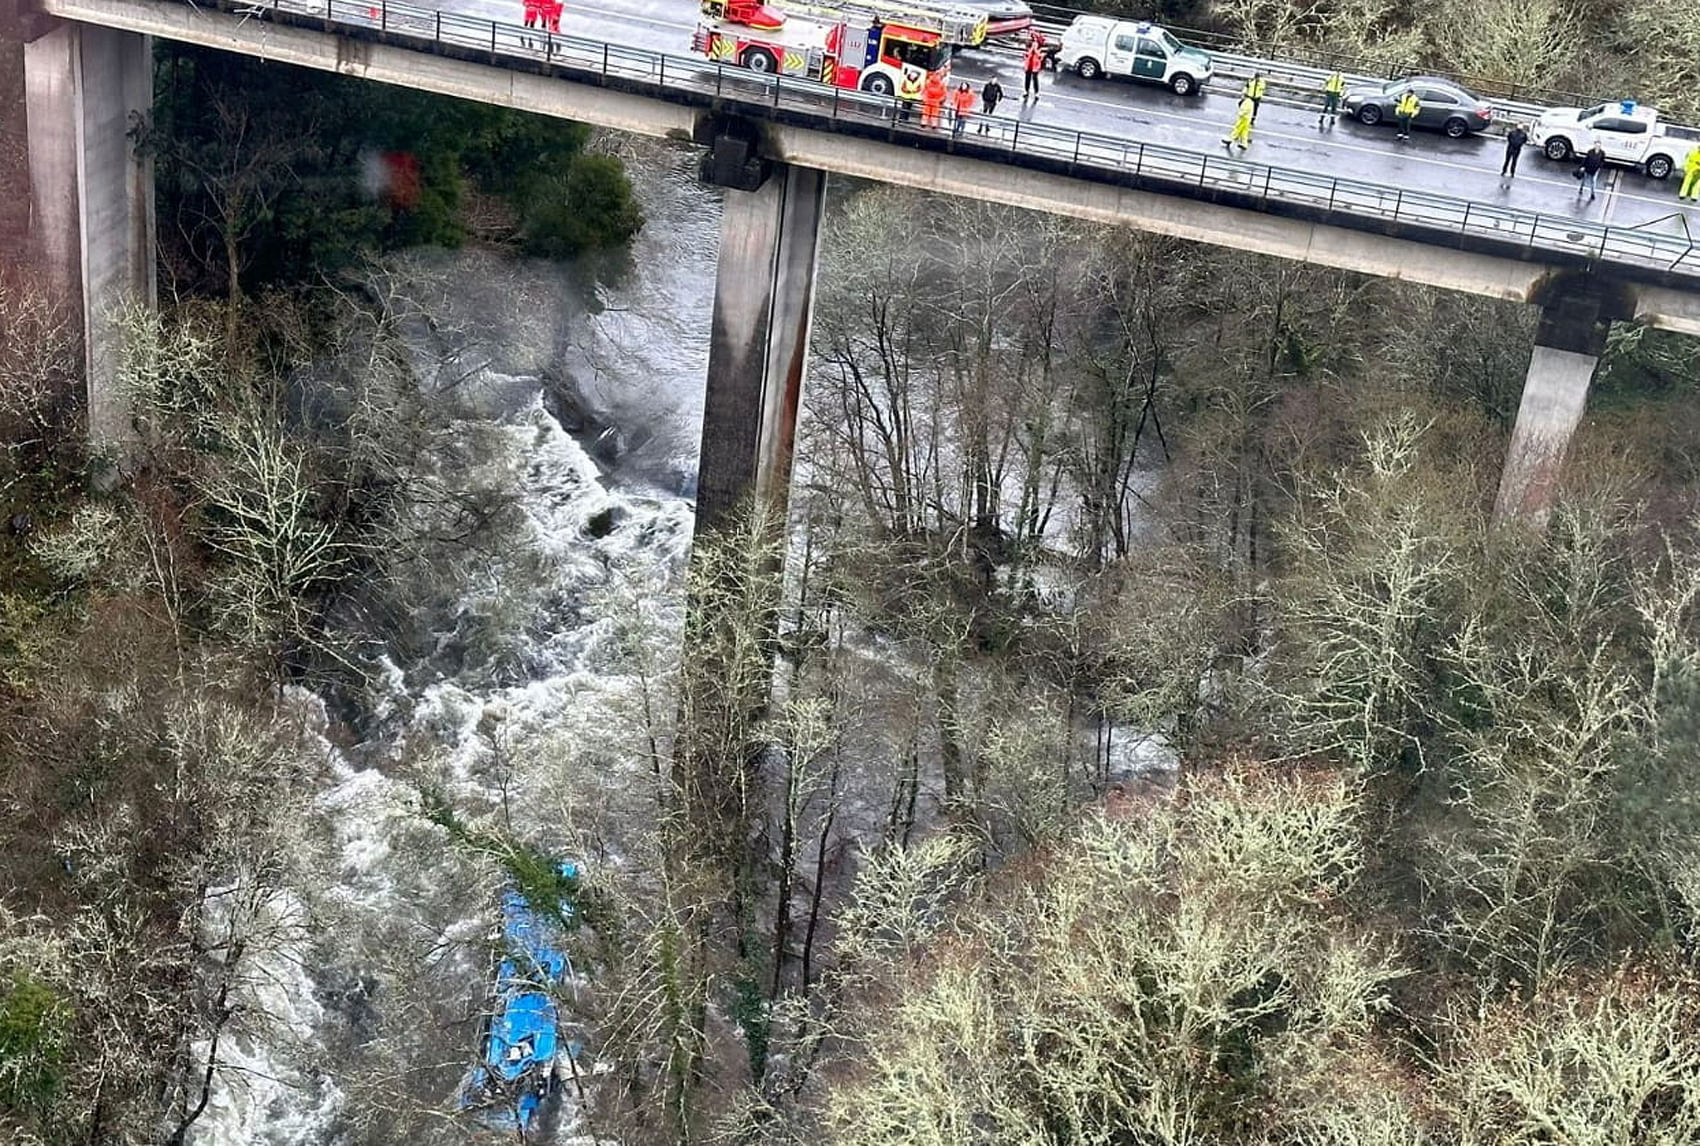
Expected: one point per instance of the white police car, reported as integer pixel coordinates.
(1096, 46)
(1631, 135)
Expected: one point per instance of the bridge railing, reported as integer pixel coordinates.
(1309, 65)
(1103, 157)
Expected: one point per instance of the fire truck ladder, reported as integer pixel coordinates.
(955, 24)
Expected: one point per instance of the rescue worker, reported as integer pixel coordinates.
(1030, 67)
(1514, 141)
(1241, 134)
(908, 91)
(961, 107)
(1691, 177)
(531, 14)
(1593, 163)
(992, 94)
(1254, 90)
(932, 98)
(552, 13)
(1406, 111)
(1332, 90)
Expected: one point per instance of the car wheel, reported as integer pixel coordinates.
(1557, 149)
(760, 60)
(879, 85)
(1660, 166)
(1369, 114)
(1088, 69)
(1456, 128)
(1183, 84)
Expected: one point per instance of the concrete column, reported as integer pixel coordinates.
(116, 209)
(87, 236)
(763, 297)
(1568, 344)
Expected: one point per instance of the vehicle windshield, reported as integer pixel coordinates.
(930, 57)
(1590, 112)
(1168, 41)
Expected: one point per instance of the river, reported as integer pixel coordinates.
(581, 401)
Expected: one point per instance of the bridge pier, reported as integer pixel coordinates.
(80, 220)
(1568, 344)
(763, 299)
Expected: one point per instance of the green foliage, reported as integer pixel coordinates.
(566, 213)
(535, 875)
(292, 164)
(751, 1011)
(35, 1025)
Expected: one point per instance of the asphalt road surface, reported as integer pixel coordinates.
(1285, 136)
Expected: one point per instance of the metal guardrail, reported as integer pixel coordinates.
(1104, 158)
(1518, 99)
(1302, 81)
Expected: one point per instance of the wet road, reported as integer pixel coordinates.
(1285, 136)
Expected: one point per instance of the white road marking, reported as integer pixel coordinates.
(1142, 114)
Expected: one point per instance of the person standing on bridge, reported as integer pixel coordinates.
(532, 15)
(1030, 68)
(991, 95)
(1593, 163)
(1254, 90)
(1514, 141)
(961, 107)
(908, 92)
(1332, 89)
(1240, 136)
(932, 97)
(1406, 111)
(1691, 177)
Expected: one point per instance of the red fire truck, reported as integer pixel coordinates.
(864, 44)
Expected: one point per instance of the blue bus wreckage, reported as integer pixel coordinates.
(517, 1084)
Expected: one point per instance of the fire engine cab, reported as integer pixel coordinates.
(863, 45)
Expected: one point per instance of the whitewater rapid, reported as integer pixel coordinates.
(585, 399)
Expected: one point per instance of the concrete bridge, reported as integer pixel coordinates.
(87, 89)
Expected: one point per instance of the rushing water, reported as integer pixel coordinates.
(584, 402)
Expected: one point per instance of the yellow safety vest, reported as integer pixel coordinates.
(1255, 87)
(1408, 104)
(910, 87)
(1336, 84)
(1691, 166)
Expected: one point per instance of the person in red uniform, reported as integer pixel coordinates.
(533, 17)
(962, 106)
(932, 98)
(1035, 61)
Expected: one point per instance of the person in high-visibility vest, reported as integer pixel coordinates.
(961, 106)
(1406, 111)
(1254, 90)
(932, 98)
(909, 91)
(1691, 177)
(1240, 136)
(1030, 67)
(1332, 90)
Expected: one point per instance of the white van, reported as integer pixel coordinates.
(1096, 46)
